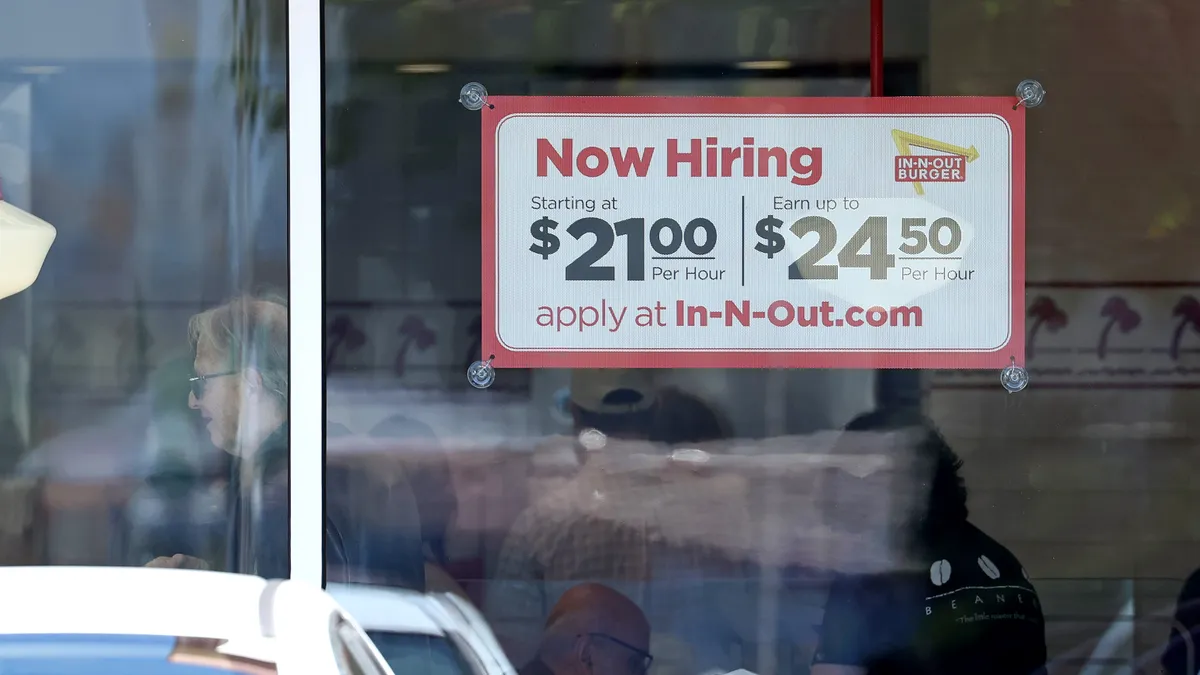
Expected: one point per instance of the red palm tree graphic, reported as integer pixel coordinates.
(415, 334)
(1044, 312)
(1119, 314)
(345, 335)
(1188, 312)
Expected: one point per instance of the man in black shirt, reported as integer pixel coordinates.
(968, 607)
(1179, 657)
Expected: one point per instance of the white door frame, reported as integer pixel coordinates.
(306, 398)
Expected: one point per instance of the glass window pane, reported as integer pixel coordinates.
(780, 520)
(145, 372)
(423, 654)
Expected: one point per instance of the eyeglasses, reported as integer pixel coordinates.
(639, 662)
(198, 382)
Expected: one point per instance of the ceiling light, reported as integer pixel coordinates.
(765, 65)
(422, 68)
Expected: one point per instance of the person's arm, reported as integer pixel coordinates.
(841, 644)
(1187, 617)
(270, 531)
(179, 561)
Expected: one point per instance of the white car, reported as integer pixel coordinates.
(93, 620)
(424, 633)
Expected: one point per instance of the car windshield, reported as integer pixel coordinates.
(122, 655)
(413, 654)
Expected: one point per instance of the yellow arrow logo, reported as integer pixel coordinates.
(905, 142)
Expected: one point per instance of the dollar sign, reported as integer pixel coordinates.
(547, 241)
(772, 241)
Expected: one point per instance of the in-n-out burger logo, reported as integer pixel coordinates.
(696, 157)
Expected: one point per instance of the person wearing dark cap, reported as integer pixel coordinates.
(630, 404)
(967, 607)
(554, 537)
(683, 417)
(616, 402)
(593, 630)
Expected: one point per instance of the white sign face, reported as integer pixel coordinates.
(753, 232)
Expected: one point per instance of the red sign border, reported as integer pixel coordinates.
(503, 106)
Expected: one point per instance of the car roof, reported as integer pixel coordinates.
(130, 601)
(394, 610)
(384, 609)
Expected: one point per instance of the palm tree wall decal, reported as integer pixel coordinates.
(346, 336)
(415, 334)
(1045, 313)
(258, 31)
(257, 53)
(1119, 314)
(1187, 310)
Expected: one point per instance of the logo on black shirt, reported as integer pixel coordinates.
(974, 598)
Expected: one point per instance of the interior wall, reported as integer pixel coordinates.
(1086, 474)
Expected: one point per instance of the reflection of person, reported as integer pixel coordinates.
(240, 385)
(552, 539)
(173, 511)
(593, 630)
(240, 388)
(428, 472)
(619, 403)
(968, 608)
(429, 486)
(684, 418)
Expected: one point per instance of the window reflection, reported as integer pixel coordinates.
(425, 654)
(726, 504)
(147, 133)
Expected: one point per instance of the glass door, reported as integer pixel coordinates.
(149, 373)
(780, 520)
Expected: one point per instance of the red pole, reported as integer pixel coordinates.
(877, 47)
